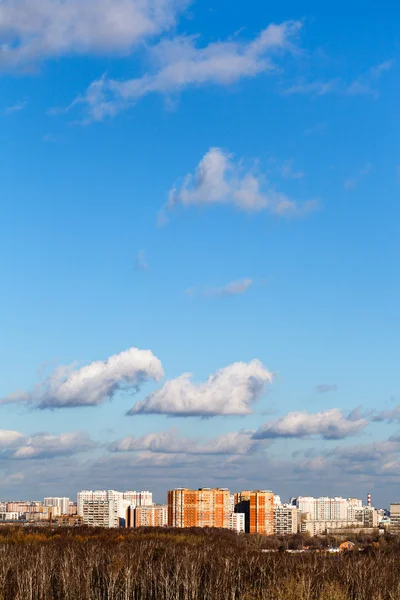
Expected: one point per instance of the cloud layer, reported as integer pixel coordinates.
(230, 391)
(95, 383)
(330, 425)
(219, 180)
(170, 442)
(37, 29)
(181, 62)
(17, 446)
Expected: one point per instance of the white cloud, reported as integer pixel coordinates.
(10, 438)
(361, 85)
(95, 383)
(289, 172)
(141, 263)
(36, 29)
(218, 179)
(230, 391)
(15, 107)
(234, 288)
(181, 62)
(330, 425)
(389, 416)
(170, 442)
(50, 446)
(16, 445)
(352, 182)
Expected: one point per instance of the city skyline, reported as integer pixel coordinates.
(198, 245)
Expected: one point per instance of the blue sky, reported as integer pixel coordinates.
(220, 189)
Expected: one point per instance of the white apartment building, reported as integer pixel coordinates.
(328, 509)
(62, 503)
(237, 522)
(144, 498)
(100, 513)
(89, 495)
(286, 519)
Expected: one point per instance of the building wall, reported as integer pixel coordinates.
(286, 519)
(206, 507)
(395, 517)
(237, 522)
(100, 513)
(148, 516)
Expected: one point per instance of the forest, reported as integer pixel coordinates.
(169, 564)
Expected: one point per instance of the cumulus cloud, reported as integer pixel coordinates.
(219, 180)
(95, 383)
(330, 425)
(17, 446)
(181, 62)
(364, 84)
(230, 391)
(170, 442)
(38, 29)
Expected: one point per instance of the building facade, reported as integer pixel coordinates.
(395, 517)
(205, 507)
(258, 507)
(100, 513)
(62, 503)
(147, 516)
(286, 519)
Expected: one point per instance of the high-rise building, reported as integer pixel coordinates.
(89, 495)
(286, 519)
(143, 498)
(147, 516)
(123, 499)
(395, 517)
(62, 503)
(100, 513)
(258, 507)
(328, 509)
(237, 522)
(205, 507)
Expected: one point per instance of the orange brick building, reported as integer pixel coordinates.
(147, 516)
(205, 507)
(258, 507)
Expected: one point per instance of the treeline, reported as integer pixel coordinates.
(154, 564)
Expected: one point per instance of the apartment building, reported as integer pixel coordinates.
(144, 498)
(205, 507)
(147, 516)
(100, 513)
(90, 496)
(395, 517)
(62, 503)
(237, 522)
(329, 509)
(258, 507)
(286, 519)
